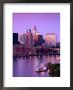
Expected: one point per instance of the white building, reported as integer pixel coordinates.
(21, 38)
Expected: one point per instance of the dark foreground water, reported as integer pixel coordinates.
(26, 67)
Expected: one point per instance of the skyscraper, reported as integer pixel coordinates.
(15, 38)
(28, 41)
(40, 40)
(50, 38)
(21, 38)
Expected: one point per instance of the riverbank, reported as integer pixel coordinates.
(54, 69)
(21, 51)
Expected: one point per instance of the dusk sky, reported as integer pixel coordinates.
(45, 23)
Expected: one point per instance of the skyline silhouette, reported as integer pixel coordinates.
(44, 22)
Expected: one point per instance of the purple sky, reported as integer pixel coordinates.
(45, 22)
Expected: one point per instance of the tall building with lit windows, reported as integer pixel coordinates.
(50, 39)
(35, 33)
(35, 36)
(28, 41)
(21, 38)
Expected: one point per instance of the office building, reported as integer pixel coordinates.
(28, 41)
(22, 38)
(40, 40)
(50, 39)
(15, 38)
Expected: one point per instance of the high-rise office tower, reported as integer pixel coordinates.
(15, 38)
(21, 38)
(28, 39)
(50, 39)
(34, 32)
(35, 36)
(40, 40)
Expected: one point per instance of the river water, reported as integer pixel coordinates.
(26, 67)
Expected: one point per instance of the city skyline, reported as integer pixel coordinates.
(24, 21)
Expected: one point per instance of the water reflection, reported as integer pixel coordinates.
(26, 67)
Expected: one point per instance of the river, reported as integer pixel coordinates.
(26, 67)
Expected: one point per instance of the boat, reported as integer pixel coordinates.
(41, 69)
